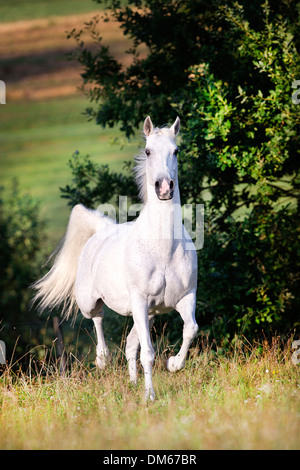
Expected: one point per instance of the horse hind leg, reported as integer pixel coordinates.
(131, 352)
(102, 351)
(91, 308)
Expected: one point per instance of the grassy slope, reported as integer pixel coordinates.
(42, 123)
(19, 10)
(38, 139)
(249, 399)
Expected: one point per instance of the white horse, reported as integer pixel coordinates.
(141, 268)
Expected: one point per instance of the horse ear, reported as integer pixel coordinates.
(176, 126)
(148, 126)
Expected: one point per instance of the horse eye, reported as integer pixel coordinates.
(147, 152)
(176, 152)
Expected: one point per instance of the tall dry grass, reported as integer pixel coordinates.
(246, 398)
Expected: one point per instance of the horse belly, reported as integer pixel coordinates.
(109, 277)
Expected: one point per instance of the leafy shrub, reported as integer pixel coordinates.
(21, 234)
(241, 143)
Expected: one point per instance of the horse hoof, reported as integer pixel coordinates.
(170, 364)
(149, 395)
(102, 361)
(173, 365)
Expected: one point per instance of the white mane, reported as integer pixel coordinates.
(140, 175)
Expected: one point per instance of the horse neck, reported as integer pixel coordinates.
(163, 220)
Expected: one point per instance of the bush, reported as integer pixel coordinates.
(241, 144)
(21, 234)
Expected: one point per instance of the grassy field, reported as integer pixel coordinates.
(246, 399)
(37, 141)
(19, 10)
(42, 123)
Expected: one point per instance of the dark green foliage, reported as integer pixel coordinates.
(94, 184)
(175, 34)
(241, 142)
(249, 275)
(21, 233)
(227, 69)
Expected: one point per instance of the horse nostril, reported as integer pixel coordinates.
(171, 185)
(157, 185)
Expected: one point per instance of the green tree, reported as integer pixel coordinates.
(175, 34)
(241, 142)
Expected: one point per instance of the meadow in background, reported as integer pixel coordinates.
(41, 126)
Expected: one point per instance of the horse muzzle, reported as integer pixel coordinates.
(164, 189)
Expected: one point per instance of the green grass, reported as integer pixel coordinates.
(39, 137)
(17, 10)
(37, 141)
(246, 399)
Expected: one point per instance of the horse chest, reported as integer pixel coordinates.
(163, 282)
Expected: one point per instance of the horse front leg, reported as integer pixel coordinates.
(141, 324)
(132, 349)
(186, 308)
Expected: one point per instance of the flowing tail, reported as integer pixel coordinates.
(57, 286)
